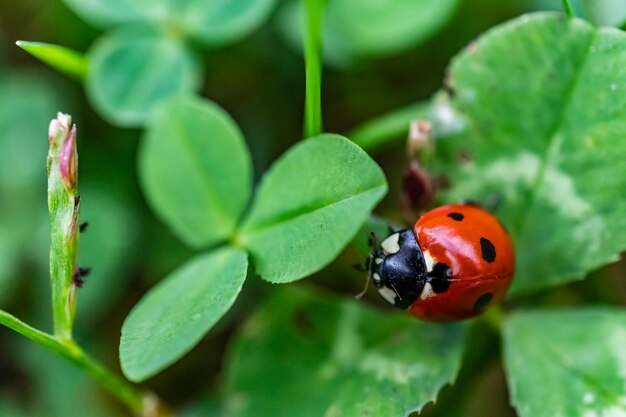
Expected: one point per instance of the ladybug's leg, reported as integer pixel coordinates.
(371, 240)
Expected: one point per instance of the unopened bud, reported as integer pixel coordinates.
(418, 139)
(62, 136)
(417, 189)
(68, 160)
(59, 126)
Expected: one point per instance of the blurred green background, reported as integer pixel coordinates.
(260, 81)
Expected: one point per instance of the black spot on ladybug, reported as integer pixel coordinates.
(456, 216)
(440, 278)
(482, 302)
(488, 251)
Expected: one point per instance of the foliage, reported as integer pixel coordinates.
(531, 114)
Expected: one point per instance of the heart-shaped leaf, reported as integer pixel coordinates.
(104, 13)
(546, 113)
(578, 355)
(222, 21)
(308, 354)
(309, 205)
(354, 30)
(195, 169)
(133, 69)
(175, 314)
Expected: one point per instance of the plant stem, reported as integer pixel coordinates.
(377, 132)
(313, 68)
(125, 392)
(567, 6)
(63, 206)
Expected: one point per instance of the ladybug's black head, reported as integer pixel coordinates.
(398, 269)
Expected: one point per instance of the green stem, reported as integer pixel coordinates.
(377, 132)
(125, 392)
(313, 68)
(567, 6)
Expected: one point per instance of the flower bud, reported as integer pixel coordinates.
(68, 160)
(59, 126)
(62, 136)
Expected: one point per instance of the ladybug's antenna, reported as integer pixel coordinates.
(368, 265)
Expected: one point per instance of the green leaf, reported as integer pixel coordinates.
(195, 169)
(577, 355)
(307, 354)
(133, 69)
(534, 139)
(104, 13)
(176, 314)
(309, 205)
(65, 60)
(355, 30)
(599, 12)
(223, 21)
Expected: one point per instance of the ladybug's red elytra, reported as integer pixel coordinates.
(455, 262)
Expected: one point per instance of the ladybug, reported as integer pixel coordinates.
(454, 263)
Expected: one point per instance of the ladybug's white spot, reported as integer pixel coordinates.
(391, 245)
(427, 292)
(430, 262)
(388, 294)
(376, 277)
(378, 261)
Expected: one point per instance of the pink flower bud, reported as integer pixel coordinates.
(59, 125)
(68, 159)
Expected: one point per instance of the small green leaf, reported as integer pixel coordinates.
(174, 315)
(355, 30)
(311, 355)
(223, 21)
(133, 69)
(578, 356)
(535, 140)
(309, 205)
(195, 169)
(64, 60)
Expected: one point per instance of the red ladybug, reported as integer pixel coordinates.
(455, 262)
